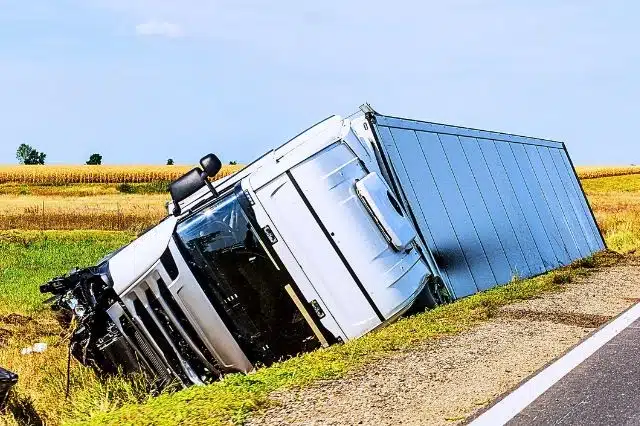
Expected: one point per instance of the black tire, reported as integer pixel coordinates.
(425, 299)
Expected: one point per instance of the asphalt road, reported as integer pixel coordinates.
(596, 383)
(603, 390)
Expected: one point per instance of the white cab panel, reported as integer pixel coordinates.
(138, 257)
(315, 257)
(328, 180)
(284, 252)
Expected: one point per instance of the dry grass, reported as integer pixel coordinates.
(40, 394)
(117, 212)
(71, 190)
(592, 172)
(616, 203)
(127, 198)
(28, 259)
(60, 175)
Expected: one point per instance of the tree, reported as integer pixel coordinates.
(232, 163)
(95, 160)
(26, 154)
(170, 162)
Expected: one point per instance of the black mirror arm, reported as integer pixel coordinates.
(177, 210)
(205, 178)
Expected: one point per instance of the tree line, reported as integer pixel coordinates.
(26, 154)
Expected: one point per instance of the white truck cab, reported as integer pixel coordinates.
(305, 247)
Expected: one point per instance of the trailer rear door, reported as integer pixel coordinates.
(490, 206)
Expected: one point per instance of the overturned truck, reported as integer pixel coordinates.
(339, 231)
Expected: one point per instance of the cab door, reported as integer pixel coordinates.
(311, 260)
(365, 225)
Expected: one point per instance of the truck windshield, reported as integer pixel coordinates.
(241, 281)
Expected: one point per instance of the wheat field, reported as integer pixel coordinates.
(83, 174)
(61, 175)
(118, 212)
(594, 172)
(113, 198)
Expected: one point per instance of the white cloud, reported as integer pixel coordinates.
(159, 28)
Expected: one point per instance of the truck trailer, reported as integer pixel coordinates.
(339, 231)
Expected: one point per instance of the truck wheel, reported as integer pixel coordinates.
(425, 300)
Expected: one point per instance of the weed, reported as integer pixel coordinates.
(125, 188)
(561, 277)
(587, 262)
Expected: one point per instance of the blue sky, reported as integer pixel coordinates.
(140, 81)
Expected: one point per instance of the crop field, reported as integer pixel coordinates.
(64, 175)
(124, 198)
(593, 172)
(38, 249)
(102, 212)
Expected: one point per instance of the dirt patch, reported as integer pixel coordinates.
(15, 319)
(438, 384)
(449, 380)
(24, 328)
(567, 318)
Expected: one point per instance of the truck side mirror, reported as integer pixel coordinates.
(211, 164)
(184, 187)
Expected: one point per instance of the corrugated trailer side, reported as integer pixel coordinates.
(489, 206)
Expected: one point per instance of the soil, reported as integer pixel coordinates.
(445, 382)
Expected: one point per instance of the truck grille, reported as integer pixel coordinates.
(149, 356)
(169, 333)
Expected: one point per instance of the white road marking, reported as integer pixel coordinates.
(519, 399)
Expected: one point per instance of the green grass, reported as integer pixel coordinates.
(233, 399)
(159, 187)
(30, 258)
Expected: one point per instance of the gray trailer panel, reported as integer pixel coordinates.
(490, 206)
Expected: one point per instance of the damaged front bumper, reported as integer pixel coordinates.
(112, 337)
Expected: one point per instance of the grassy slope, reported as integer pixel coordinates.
(29, 259)
(232, 399)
